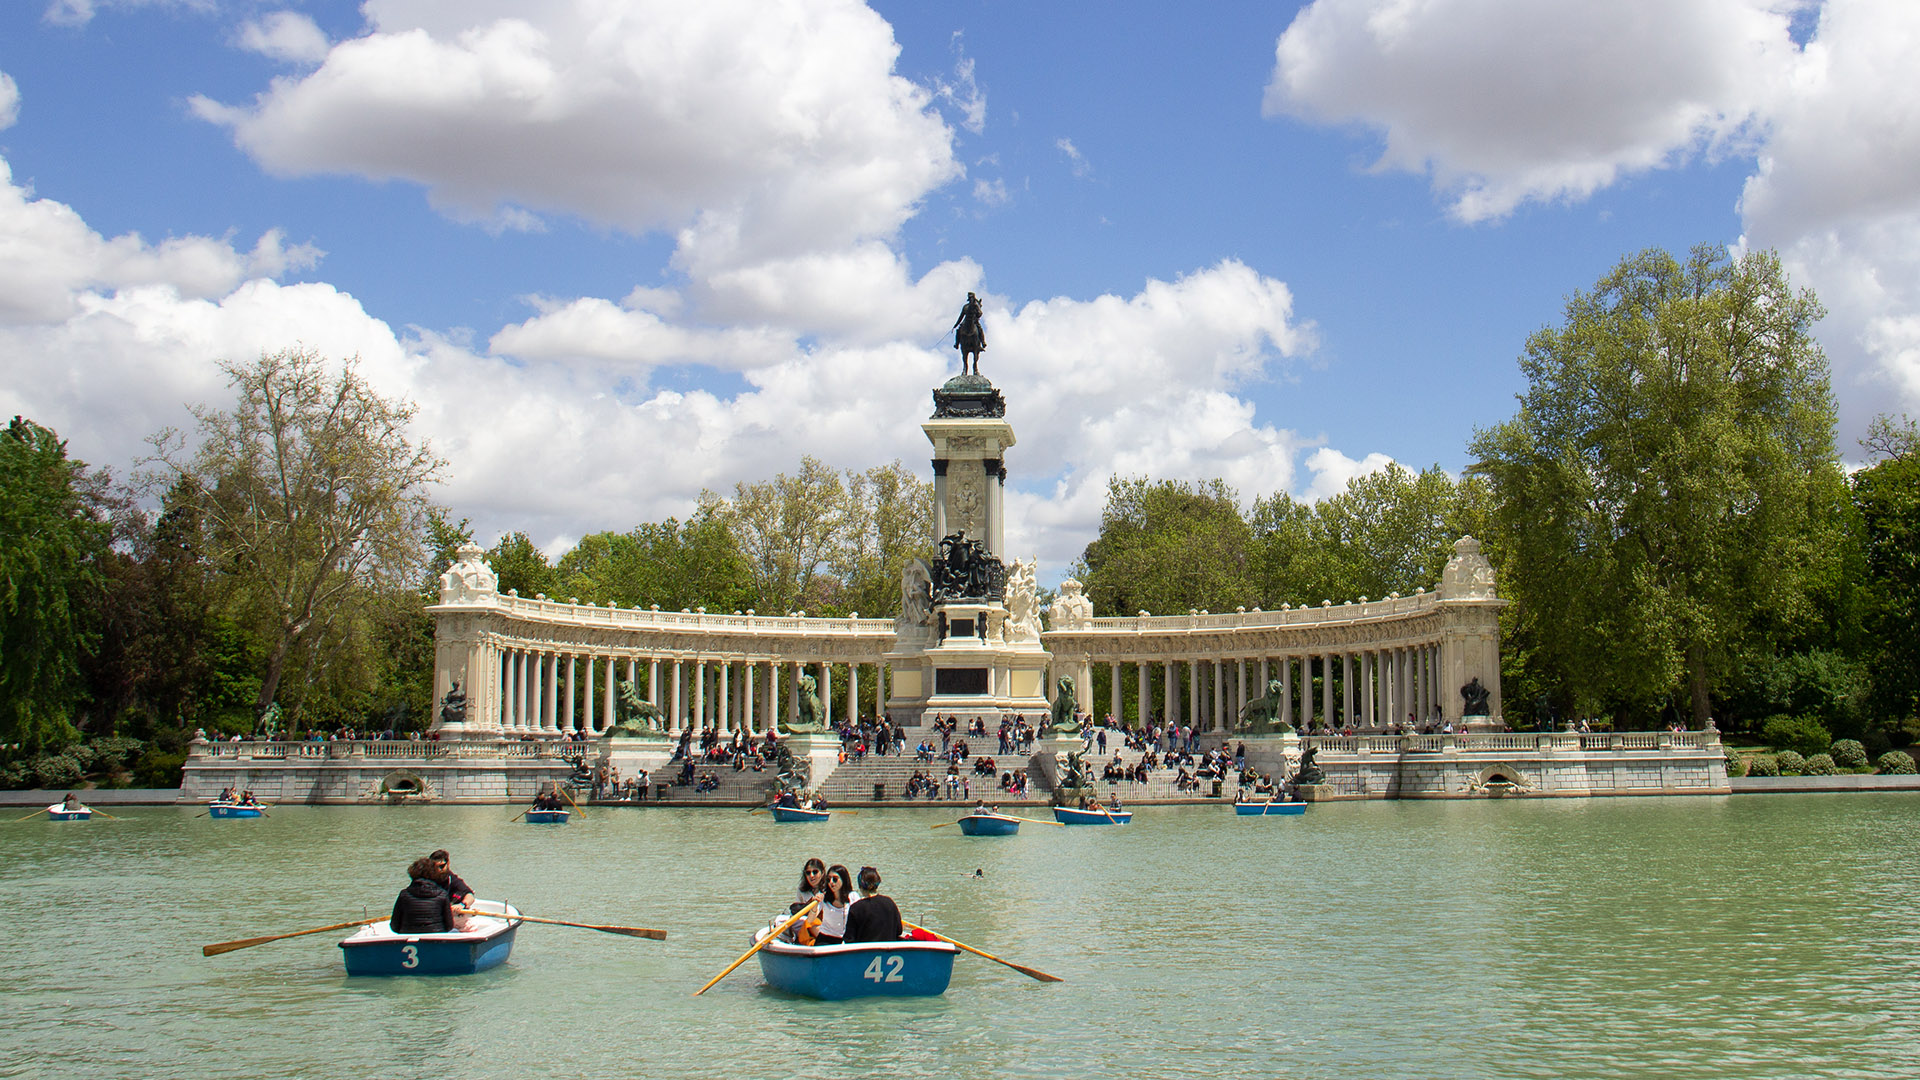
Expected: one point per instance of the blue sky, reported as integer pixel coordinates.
(623, 251)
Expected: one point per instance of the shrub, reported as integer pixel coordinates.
(1801, 734)
(1820, 765)
(1849, 754)
(1736, 765)
(1763, 765)
(158, 769)
(1876, 742)
(1791, 764)
(1895, 763)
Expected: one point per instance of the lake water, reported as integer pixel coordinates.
(1771, 936)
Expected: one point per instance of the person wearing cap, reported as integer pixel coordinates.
(873, 917)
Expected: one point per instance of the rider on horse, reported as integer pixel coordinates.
(970, 337)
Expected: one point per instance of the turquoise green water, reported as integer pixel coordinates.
(1750, 937)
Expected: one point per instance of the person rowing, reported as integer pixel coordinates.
(873, 917)
(423, 907)
(72, 802)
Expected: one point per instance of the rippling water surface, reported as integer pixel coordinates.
(1768, 936)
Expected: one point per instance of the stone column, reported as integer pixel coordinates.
(723, 696)
(746, 697)
(1170, 692)
(606, 709)
(826, 693)
(654, 688)
(1286, 691)
(939, 499)
(793, 692)
(1326, 687)
(1193, 696)
(1346, 688)
(1366, 689)
(1113, 693)
(573, 670)
(1240, 699)
(853, 692)
(1143, 705)
(677, 706)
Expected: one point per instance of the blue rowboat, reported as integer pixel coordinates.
(548, 817)
(1269, 809)
(1067, 815)
(867, 969)
(989, 825)
(59, 812)
(795, 813)
(233, 810)
(376, 950)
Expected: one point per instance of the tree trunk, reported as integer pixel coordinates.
(1697, 684)
(270, 682)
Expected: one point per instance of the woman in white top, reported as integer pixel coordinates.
(833, 906)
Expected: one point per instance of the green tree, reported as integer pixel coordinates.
(1168, 546)
(1887, 496)
(522, 568)
(790, 530)
(49, 581)
(1655, 499)
(889, 524)
(315, 500)
(1389, 531)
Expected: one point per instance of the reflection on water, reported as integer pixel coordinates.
(1759, 936)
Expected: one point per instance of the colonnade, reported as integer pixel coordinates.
(555, 692)
(1373, 688)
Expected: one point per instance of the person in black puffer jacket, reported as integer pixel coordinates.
(423, 907)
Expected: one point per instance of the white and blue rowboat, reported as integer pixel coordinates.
(867, 969)
(376, 950)
(1269, 809)
(59, 812)
(548, 817)
(233, 810)
(1067, 815)
(989, 825)
(797, 813)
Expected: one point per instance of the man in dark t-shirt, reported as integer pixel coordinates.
(873, 917)
(458, 891)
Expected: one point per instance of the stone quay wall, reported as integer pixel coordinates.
(1493, 765)
(378, 771)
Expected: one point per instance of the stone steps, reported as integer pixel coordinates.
(854, 780)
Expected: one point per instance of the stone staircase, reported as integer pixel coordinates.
(742, 788)
(854, 781)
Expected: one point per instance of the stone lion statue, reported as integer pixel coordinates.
(1262, 715)
(634, 717)
(809, 719)
(1065, 718)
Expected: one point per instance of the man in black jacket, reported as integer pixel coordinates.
(873, 917)
(423, 907)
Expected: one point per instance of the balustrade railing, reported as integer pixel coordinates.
(388, 750)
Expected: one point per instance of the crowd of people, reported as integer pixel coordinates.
(244, 798)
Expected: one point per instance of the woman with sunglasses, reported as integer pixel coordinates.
(811, 875)
(833, 906)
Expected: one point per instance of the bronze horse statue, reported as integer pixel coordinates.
(969, 336)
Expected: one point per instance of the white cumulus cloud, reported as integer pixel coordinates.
(285, 35)
(752, 130)
(1502, 101)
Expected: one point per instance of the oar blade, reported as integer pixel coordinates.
(634, 931)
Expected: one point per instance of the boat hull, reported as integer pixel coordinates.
(869, 969)
(233, 810)
(989, 825)
(548, 817)
(1272, 809)
(377, 950)
(1067, 815)
(795, 813)
(55, 813)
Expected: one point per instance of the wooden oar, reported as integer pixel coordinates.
(630, 931)
(1031, 973)
(36, 813)
(1038, 821)
(758, 945)
(103, 813)
(576, 807)
(248, 943)
(517, 817)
